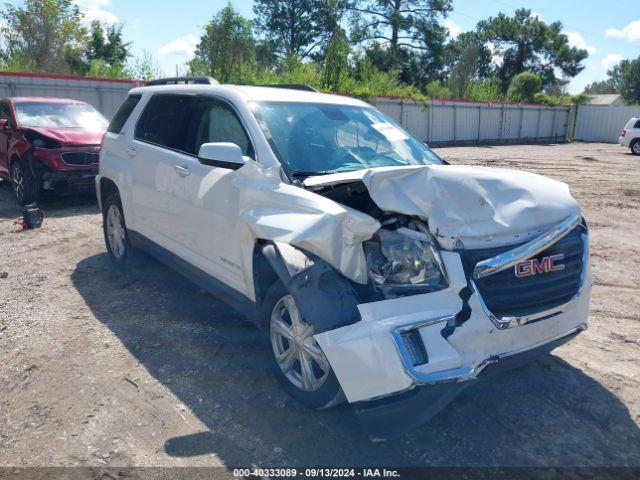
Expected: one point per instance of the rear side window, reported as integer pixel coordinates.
(123, 113)
(637, 125)
(165, 121)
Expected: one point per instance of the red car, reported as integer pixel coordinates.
(49, 145)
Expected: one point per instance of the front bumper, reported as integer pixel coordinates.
(405, 411)
(369, 363)
(67, 181)
(373, 363)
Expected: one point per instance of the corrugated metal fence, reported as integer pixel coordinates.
(104, 94)
(459, 122)
(602, 123)
(439, 122)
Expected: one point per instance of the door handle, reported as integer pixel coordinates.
(131, 152)
(182, 171)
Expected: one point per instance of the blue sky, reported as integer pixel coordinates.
(169, 30)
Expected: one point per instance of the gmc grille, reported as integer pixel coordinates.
(509, 296)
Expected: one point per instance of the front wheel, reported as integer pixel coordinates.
(298, 362)
(635, 147)
(24, 184)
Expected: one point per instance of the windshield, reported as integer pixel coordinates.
(313, 139)
(59, 115)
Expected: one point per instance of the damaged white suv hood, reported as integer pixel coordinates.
(466, 206)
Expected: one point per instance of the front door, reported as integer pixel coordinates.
(208, 198)
(5, 137)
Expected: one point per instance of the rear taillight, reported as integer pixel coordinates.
(624, 132)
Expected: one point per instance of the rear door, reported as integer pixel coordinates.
(158, 149)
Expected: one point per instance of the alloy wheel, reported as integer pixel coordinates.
(115, 232)
(636, 148)
(17, 179)
(297, 353)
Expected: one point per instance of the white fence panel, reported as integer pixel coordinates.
(602, 123)
(104, 94)
(453, 122)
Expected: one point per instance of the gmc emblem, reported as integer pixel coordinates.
(534, 266)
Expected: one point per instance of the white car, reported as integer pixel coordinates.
(630, 136)
(379, 274)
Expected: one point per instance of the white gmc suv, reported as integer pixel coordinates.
(379, 274)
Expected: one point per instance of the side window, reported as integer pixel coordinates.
(5, 114)
(637, 125)
(123, 113)
(214, 121)
(165, 121)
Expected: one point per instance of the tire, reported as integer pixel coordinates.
(116, 237)
(318, 388)
(24, 184)
(635, 146)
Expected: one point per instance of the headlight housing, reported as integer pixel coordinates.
(40, 141)
(405, 261)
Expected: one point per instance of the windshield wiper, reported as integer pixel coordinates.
(301, 173)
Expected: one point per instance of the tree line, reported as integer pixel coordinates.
(360, 47)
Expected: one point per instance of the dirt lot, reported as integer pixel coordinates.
(100, 367)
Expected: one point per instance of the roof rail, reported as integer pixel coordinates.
(183, 81)
(292, 86)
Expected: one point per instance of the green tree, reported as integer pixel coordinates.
(227, 49)
(484, 90)
(44, 36)
(106, 44)
(336, 60)
(524, 87)
(398, 23)
(297, 27)
(404, 35)
(144, 67)
(457, 48)
(464, 71)
(611, 84)
(630, 82)
(601, 87)
(526, 43)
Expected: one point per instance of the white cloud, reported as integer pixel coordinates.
(96, 10)
(454, 28)
(631, 32)
(102, 16)
(610, 60)
(578, 41)
(536, 15)
(185, 46)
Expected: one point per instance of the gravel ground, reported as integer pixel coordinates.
(102, 367)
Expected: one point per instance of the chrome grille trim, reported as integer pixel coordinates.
(523, 252)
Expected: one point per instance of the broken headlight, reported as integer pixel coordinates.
(405, 260)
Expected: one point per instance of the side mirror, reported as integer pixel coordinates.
(4, 124)
(223, 155)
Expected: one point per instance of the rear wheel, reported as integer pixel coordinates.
(298, 362)
(24, 184)
(635, 147)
